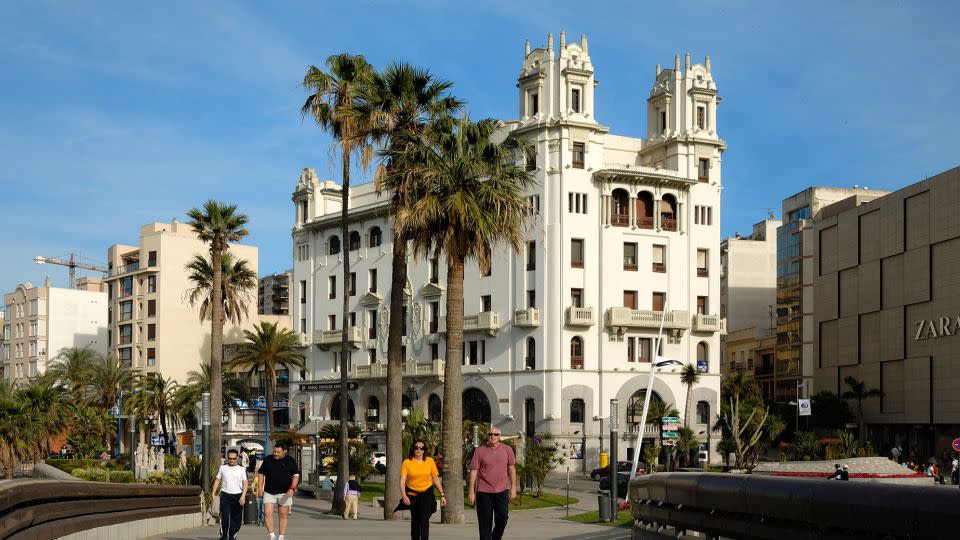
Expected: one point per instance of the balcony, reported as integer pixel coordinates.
(709, 323)
(485, 321)
(303, 340)
(619, 220)
(703, 272)
(529, 317)
(580, 316)
(645, 222)
(640, 318)
(132, 267)
(325, 338)
(410, 369)
(668, 224)
(650, 431)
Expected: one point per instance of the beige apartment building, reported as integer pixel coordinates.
(39, 322)
(153, 326)
(751, 351)
(887, 277)
(748, 277)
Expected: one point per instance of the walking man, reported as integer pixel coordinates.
(278, 479)
(233, 478)
(493, 484)
(351, 496)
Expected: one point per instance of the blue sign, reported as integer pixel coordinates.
(261, 403)
(158, 440)
(702, 366)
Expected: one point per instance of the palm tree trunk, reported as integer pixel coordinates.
(398, 281)
(343, 448)
(686, 406)
(453, 398)
(216, 354)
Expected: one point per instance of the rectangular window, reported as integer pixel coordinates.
(486, 303)
(703, 170)
(701, 117)
(434, 317)
(151, 308)
(403, 321)
(576, 253)
(659, 300)
(372, 324)
(659, 258)
(152, 258)
(151, 356)
(630, 299)
(702, 258)
(434, 270)
(151, 284)
(332, 287)
(126, 310)
(532, 299)
(353, 283)
(126, 334)
(629, 256)
(371, 356)
(331, 322)
(579, 152)
(531, 255)
(303, 291)
(576, 298)
(577, 203)
(575, 100)
(663, 121)
(474, 353)
(303, 326)
(372, 280)
(126, 356)
(644, 346)
(533, 205)
(701, 305)
(126, 286)
(631, 349)
(353, 319)
(434, 351)
(151, 332)
(534, 104)
(531, 161)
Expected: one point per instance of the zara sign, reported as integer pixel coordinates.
(934, 328)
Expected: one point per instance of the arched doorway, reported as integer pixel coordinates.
(668, 213)
(335, 410)
(703, 363)
(435, 408)
(373, 410)
(529, 417)
(476, 406)
(645, 210)
(620, 213)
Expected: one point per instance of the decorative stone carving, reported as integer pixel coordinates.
(383, 334)
(416, 325)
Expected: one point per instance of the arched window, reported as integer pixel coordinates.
(620, 213)
(645, 210)
(476, 406)
(531, 353)
(335, 410)
(373, 410)
(703, 363)
(635, 406)
(376, 237)
(354, 241)
(668, 213)
(529, 417)
(703, 412)
(334, 245)
(435, 408)
(577, 411)
(576, 352)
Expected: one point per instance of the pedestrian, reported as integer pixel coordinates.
(351, 495)
(845, 473)
(837, 473)
(256, 493)
(279, 476)
(233, 478)
(895, 453)
(418, 478)
(493, 484)
(954, 469)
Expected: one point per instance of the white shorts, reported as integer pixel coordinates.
(282, 499)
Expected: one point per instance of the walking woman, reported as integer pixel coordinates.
(418, 477)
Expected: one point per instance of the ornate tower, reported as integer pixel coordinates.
(556, 85)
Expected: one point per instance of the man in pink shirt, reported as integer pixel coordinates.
(493, 483)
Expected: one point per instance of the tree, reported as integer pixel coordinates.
(198, 382)
(858, 392)
(336, 104)
(408, 100)
(686, 442)
(48, 401)
(238, 281)
(268, 349)
(71, 369)
(217, 224)
(829, 411)
(746, 432)
(689, 376)
(473, 199)
(20, 428)
(110, 376)
(157, 393)
(541, 458)
(89, 426)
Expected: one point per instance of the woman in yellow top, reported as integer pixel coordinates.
(418, 477)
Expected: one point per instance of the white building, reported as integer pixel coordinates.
(626, 232)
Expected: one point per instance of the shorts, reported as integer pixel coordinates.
(269, 498)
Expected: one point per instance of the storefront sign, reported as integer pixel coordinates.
(934, 328)
(326, 387)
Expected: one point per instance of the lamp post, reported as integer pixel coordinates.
(613, 458)
(207, 451)
(119, 408)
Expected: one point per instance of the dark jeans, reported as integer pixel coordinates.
(492, 514)
(231, 515)
(422, 506)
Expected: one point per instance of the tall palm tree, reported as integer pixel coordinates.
(740, 385)
(858, 391)
(158, 394)
(408, 99)
(217, 224)
(187, 395)
(474, 199)
(49, 402)
(336, 104)
(110, 376)
(71, 369)
(20, 428)
(689, 376)
(269, 349)
(238, 282)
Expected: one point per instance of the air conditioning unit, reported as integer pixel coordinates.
(371, 413)
(380, 426)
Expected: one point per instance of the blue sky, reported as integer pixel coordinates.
(115, 115)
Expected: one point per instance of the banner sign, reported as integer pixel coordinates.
(326, 387)
(804, 405)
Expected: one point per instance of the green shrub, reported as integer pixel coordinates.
(170, 462)
(80, 473)
(122, 477)
(96, 474)
(161, 478)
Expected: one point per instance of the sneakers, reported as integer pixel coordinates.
(281, 537)
(273, 536)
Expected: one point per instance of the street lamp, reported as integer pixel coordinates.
(660, 362)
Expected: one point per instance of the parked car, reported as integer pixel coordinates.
(379, 461)
(623, 479)
(622, 466)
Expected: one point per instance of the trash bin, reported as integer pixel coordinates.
(604, 460)
(251, 513)
(603, 499)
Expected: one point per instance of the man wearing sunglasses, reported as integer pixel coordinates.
(493, 483)
(233, 477)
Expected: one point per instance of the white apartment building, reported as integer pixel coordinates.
(625, 235)
(41, 321)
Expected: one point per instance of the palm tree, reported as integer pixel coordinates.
(51, 407)
(474, 199)
(71, 369)
(268, 349)
(157, 394)
(217, 224)
(238, 280)
(742, 385)
(689, 376)
(187, 395)
(20, 428)
(110, 376)
(858, 391)
(336, 105)
(408, 99)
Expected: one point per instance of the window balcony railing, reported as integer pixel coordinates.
(576, 362)
(645, 222)
(709, 323)
(702, 272)
(659, 267)
(580, 316)
(433, 368)
(132, 267)
(620, 220)
(485, 321)
(325, 338)
(576, 263)
(529, 317)
(641, 318)
(302, 339)
(668, 224)
(630, 266)
(650, 431)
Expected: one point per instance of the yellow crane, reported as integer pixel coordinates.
(72, 263)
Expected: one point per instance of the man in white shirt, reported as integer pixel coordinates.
(233, 478)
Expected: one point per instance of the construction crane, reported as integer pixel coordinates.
(73, 263)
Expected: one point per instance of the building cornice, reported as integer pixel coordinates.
(354, 215)
(644, 176)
